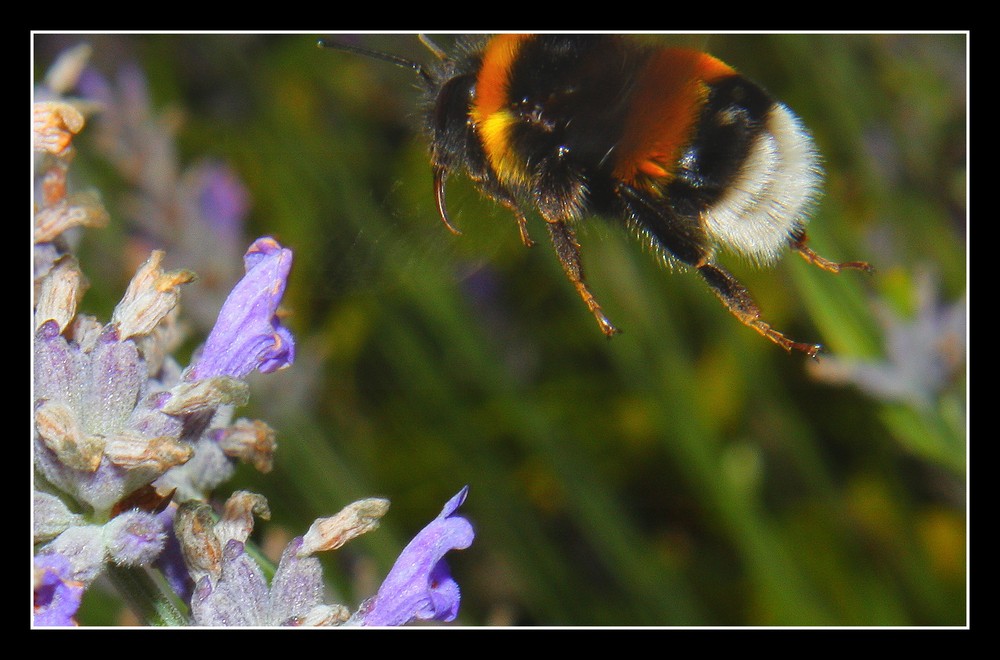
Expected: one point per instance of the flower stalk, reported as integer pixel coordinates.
(152, 601)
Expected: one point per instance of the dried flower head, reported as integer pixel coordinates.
(53, 126)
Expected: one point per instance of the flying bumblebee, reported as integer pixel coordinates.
(671, 142)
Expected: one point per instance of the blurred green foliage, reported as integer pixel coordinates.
(686, 472)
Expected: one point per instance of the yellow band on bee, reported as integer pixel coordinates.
(490, 111)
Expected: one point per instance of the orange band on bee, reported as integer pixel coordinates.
(494, 75)
(666, 104)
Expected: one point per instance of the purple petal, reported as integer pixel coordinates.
(60, 367)
(93, 86)
(248, 334)
(171, 560)
(57, 595)
(419, 586)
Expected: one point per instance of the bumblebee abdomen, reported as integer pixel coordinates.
(750, 172)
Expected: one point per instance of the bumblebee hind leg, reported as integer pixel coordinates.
(798, 243)
(683, 236)
(737, 300)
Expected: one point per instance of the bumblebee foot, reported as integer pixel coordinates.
(606, 326)
(522, 228)
(568, 251)
(812, 350)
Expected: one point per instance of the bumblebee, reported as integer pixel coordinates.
(671, 142)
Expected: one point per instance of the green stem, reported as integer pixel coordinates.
(151, 600)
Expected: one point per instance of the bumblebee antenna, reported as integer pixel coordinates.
(416, 67)
(433, 47)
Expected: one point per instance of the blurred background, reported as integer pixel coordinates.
(687, 472)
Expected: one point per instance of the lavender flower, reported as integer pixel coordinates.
(113, 419)
(231, 589)
(221, 200)
(57, 594)
(108, 426)
(99, 432)
(242, 597)
(248, 334)
(923, 354)
(419, 585)
(128, 445)
(134, 538)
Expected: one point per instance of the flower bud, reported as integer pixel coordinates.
(50, 517)
(150, 296)
(251, 441)
(353, 520)
(59, 293)
(134, 538)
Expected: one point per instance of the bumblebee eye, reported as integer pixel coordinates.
(450, 121)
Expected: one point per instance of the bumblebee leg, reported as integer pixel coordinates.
(568, 251)
(522, 227)
(522, 221)
(499, 194)
(737, 299)
(798, 243)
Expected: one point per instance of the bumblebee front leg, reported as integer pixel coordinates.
(737, 299)
(522, 227)
(568, 251)
(522, 222)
